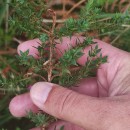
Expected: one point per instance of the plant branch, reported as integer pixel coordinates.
(44, 30)
(17, 40)
(55, 76)
(51, 41)
(120, 35)
(76, 5)
(51, 21)
(11, 52)
(36, 75)
(6, 63)
(51, 12)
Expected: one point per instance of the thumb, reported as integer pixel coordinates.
(68, 105)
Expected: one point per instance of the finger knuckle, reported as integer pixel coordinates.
(66, 103)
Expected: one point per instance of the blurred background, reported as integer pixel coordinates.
(9, 40)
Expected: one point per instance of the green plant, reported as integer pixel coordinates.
(27, 18)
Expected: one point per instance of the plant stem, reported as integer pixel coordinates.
(8, 65)
(50, 60)
(35, 75)
(51, 40)
(120, 35)
(6, 20)
(76, 5)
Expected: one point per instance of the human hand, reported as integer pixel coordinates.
(101, 103)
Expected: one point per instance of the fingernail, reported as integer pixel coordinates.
(39, 93)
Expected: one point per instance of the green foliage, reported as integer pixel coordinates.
(2, 10)
(88, 70)
(70, 57)
(14, 84)
(40, 119)
(43, 37)
(27, 19)
(28, 16)
(87, 42)
(6, 32)
(102, 2)
(25, 58)
(5, 37)
(93, 18)
(72, 26)
(123, 40)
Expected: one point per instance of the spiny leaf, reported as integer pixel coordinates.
(43, 37)
(39, 119)
(70, 57)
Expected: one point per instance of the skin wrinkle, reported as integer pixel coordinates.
(97, 108)
(102, 88)
(118, 110)
(108, 112)
(116, 73)
(102, 82)
(120, 82)
(71, 100)
(106, 75)
(99, 86)
(103, 112)
(106, 87)
(61, 103)
(124, 82)
(65, 102)
(112, 89)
